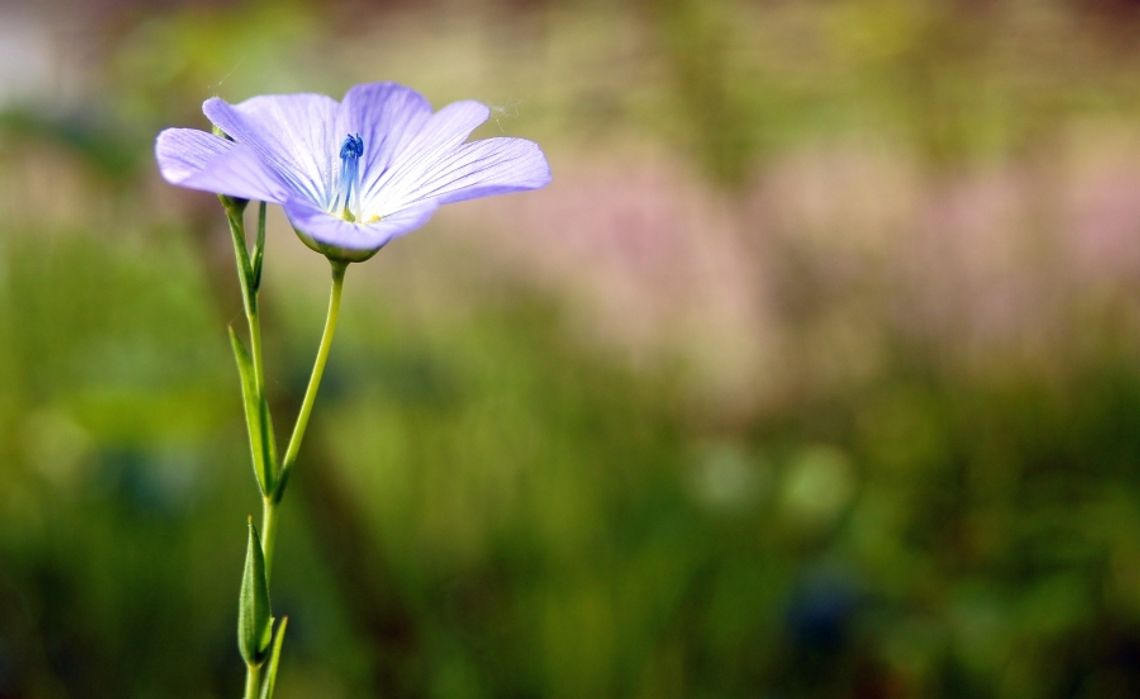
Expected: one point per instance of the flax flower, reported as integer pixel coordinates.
(350, 175)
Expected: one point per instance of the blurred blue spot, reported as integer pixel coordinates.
(820, 612)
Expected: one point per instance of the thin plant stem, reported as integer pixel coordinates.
(270, 502)
(268, 532)
(252, 681)
(338, 269)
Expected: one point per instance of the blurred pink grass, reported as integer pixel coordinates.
(835, 253)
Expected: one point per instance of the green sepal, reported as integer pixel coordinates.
(256, 413)
(269, 681)
(234, 207)
(337, 255)
(255, 620)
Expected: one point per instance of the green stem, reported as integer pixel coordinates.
(338, 269)
(268, 532)
(269, 503)
(252, 681)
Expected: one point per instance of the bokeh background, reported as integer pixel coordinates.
(815, 372)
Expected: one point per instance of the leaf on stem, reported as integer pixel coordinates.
(254, 408)
(258, 250)
(237, 232)
(268, 445)
(269, 682)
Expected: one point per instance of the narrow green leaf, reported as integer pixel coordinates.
(269, 682)
(258, 250)
(282, 481)
(236, 221)
(255, 413)
(268, 445)
(255, 621)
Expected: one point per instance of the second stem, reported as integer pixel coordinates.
(281, 478)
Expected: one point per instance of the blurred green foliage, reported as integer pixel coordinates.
(496, 500)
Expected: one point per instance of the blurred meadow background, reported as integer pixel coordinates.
(814, 373)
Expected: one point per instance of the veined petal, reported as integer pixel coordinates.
(445, 130)
(477, 169)
(347, 240)
(199, 160)
(293, 134)
(388, 117)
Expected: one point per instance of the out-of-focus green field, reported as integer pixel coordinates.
(815, 372)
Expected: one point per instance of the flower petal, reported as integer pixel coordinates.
(445, 130)
(476, 169)
(199, 160)
(387, 116)
(333, 231)
(293, 134)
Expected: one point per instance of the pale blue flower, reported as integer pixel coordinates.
(350, 175)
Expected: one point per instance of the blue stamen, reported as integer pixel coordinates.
(353, 147)
(348, 194)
